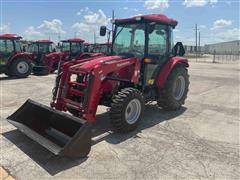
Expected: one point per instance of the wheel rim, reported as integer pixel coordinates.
(22, 67)
(133, 111)
(179, 87)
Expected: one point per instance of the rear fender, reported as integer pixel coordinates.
(28, 56)
(168, 67)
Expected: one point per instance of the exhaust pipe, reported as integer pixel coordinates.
(60, 133)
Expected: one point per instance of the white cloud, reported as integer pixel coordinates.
(221, 23)
(125, 8)
(5, 28)
(158, 5)
(91, 23)
(229, 35)
(97, 18)
(52, 27)
(86, 9)
(82, 27)
(198, 3)
(31, 33)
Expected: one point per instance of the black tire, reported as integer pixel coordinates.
(40, 70)
(118, 108)
(15, 68)
(167, 100)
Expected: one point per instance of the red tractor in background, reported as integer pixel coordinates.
(71, 49)
(40, 50)
(13, 61)
(102, 48)
(143, 66)
(88, 47)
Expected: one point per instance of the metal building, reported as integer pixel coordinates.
(224, 48)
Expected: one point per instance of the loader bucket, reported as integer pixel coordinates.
(60, 133)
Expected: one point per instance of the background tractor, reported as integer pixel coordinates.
(40, 50)
(71, 49)
(143, 66)
(13, 61)
(102, 48)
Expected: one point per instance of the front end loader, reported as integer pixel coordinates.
(143, 66)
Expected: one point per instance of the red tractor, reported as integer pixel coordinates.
(71, 49)
(102, 48)
(13, 61)
(143, 67)
(40, 51)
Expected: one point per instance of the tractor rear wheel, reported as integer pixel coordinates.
(20, 68)
(173, 95)
(127, 109)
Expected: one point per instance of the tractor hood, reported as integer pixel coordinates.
(93, 63)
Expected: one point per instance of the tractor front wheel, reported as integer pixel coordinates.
(127, 109)
(20, 68)
(173, 95)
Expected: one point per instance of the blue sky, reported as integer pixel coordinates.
(218, 20)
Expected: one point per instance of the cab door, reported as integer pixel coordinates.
(157, 52)
(6, 50)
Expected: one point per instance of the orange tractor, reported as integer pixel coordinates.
(143, 66)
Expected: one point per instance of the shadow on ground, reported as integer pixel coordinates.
(55, 164)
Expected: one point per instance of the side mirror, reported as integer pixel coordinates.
(178, 49)
(103, 30)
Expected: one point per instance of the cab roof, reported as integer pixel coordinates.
(73, 40)
(160, 18)
(87, 44)
(10, 36)
(42, 41)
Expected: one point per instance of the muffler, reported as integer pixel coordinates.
(60, 133)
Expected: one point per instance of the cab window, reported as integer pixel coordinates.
(157, 44)
(6, 46)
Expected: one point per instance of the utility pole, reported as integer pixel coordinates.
(196, 45)
(113, 17)
(94, 37)
(199, 42)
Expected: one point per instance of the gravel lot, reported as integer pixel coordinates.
(199, 141)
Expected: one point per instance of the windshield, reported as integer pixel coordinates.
(130, 39)
(40, 48)
(74, 47)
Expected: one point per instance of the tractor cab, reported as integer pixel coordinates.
(41, 47)
(72, 47)
(87, 47)
(9, 45)
(102, 48)
(149, 38)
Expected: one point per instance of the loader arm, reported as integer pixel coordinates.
(92, 86)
